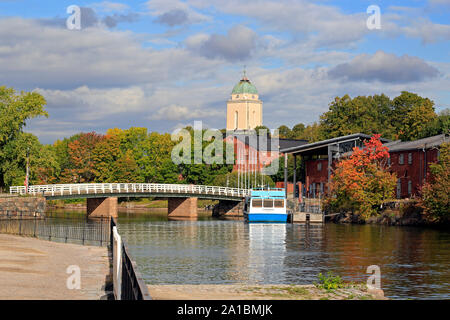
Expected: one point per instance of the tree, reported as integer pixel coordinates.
(126, 170)
(81, 168)
(411, 115)
(297, 131)
(369, 115)
(15, 110)
(361, 182)
(284, 132)
(261, 130)
(435, 193)
(105, 156)
(312, 133)
(43, 166)
(440, 125)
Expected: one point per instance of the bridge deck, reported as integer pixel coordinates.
(95, 190)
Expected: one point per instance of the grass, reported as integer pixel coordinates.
(329, 282)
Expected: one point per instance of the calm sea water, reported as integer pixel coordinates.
(414, 262)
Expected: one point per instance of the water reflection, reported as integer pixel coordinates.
(266, 252)
(414, 262)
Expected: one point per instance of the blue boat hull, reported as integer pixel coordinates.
(266, 217)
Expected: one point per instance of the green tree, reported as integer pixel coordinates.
(43, 166)
(284, 132)
(15, 110)
(440, 125)
(312, 133)
(369, 115)
(297, 131)
(411, 115)
(435, 193)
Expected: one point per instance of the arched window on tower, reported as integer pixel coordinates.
(236, 120)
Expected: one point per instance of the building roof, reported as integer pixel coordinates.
(326, 143)
(425, 143)
(244, 86)
(272, 144)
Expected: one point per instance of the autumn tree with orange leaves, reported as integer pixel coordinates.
(361, 183)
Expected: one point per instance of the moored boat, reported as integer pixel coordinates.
(266, 205)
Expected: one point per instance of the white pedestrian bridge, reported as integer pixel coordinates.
(120, 190)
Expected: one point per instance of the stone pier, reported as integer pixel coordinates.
(102, 207)
(182, 207)
(228, 208)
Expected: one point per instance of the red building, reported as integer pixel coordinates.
(410, 160)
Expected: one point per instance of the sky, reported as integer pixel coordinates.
(163, 64)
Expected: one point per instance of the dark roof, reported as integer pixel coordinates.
(425, 143)
(271, 145)
(325, 143)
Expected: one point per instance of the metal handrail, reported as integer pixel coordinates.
(127, 281)
(123, 188)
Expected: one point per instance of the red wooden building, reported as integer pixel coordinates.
(410, 160)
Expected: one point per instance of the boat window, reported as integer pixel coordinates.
(257, 203)
(278, 203)
(268, 203)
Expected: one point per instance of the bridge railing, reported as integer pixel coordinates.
(123, 188)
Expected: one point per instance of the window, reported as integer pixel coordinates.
(409, 188)
(389, 161)
(237, 96)
(321, 187)
(399, 189)
(410, 158)
(268, 203)
(319, 166)
(401, 159)
(278, 203)
(236, 119)
(257, 203)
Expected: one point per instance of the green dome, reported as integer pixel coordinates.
(244, 86)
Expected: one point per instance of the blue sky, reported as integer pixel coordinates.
(162, 64)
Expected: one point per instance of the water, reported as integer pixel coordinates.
(414, 262)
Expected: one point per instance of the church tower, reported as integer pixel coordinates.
(244, 109)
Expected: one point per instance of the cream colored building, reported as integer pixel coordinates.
(244, 109)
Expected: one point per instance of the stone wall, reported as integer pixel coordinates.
(22, 206)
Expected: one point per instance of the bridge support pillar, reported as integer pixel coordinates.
(228, 208)
(102, 207)
(182, 207)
